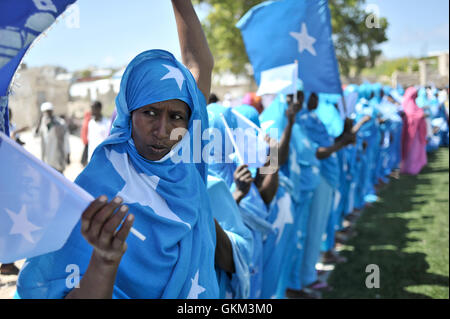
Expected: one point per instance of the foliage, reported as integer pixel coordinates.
(355, 43)
(388, 67)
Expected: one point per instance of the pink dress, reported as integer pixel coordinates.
(414, 139)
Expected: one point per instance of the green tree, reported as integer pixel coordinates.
(355, 43)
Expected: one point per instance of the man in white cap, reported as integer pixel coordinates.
(55, 150)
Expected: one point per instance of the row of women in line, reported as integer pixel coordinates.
(332, 168)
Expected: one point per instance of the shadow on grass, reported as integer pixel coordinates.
(384, 235)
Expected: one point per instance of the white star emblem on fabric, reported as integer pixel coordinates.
(196, 289)
(306, 143)
(315, 170)
(21, 224)
(295, 168)
(284, 215)
(137, 190)
(305, 41)
(174, 73)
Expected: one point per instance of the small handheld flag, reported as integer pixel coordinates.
(38, 206)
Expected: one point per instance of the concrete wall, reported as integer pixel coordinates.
(31, 88)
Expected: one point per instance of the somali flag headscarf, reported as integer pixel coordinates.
(220, 160)
(169, 200)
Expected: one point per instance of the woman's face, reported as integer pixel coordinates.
(153, 124)
(313, 102)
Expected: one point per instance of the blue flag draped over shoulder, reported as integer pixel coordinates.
(21, 22)
(277, 33)
(169, 200)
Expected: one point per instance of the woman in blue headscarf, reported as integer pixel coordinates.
(220, 179)
(321, 204)
(167, 199)
(245, 192)
(302, 177)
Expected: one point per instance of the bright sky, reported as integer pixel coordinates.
(112, 32)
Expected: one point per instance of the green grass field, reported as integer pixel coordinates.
(406, 234)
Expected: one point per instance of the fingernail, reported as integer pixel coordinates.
(123, 208)
(117, 200)
(130, 218)
(102, 199)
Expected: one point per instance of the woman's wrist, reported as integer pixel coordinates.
(238, 195)
(98, 280)
(100, 262)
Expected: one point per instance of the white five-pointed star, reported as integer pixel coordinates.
(284, 215)
(295, 168)
(305, 41)
(21, 224)
(174, 73)
(306, 143)
(315, 170)
(196, 289)
(136, 191)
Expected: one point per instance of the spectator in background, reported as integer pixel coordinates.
(84, 137)
(15, 133)
(55, 149)
(213, 98)
(414, 139)
(98, 128)
(253, 100)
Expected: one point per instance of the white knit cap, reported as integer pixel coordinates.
(46, 106)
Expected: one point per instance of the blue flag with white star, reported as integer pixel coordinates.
(39, 207)
(277, 33)
(21, 22)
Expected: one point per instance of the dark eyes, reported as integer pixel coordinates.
(177, 117)
(173, 116)
(149, 113)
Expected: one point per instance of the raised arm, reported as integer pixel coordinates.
(194, 48)
(291, 113)
(358, 125)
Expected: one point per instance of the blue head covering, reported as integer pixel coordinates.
(365, 90)
(377, 88)
(329, 115)
(169, 200)
(422, 98)
(249, 112)
(221, 163)
(387, 90)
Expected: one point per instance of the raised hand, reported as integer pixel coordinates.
(99, 224)
(243, 179)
